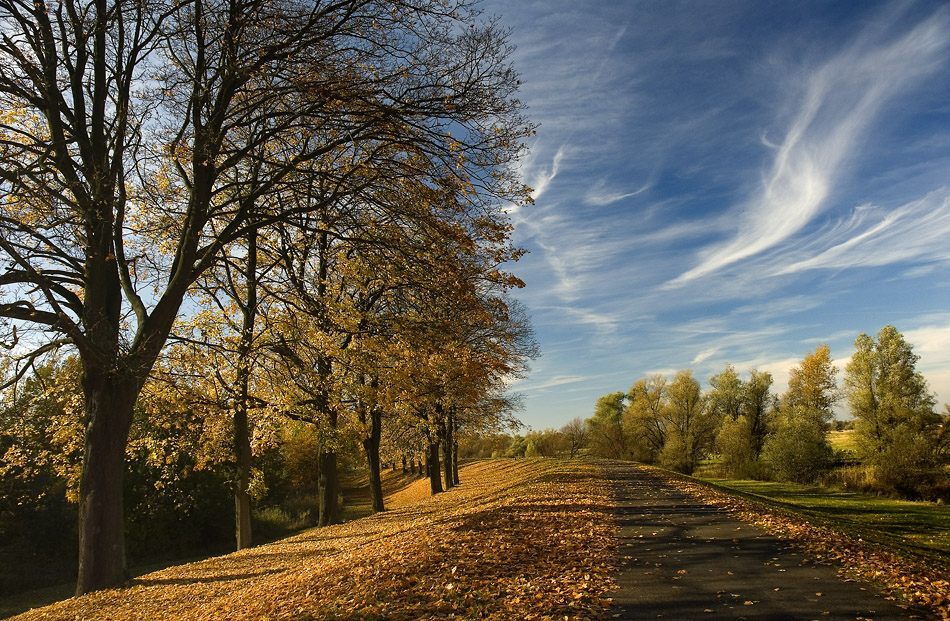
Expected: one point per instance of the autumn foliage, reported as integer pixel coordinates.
(266, 185)
(520, 539)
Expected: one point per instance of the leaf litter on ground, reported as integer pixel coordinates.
(526, 539)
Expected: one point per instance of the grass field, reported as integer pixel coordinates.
(843, 440)
(919, 528)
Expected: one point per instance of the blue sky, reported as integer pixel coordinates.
(729, 182)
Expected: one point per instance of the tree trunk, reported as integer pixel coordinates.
(329, 489)
(446, 433)
(432, 459)
(109, 406)
(455, 453)
(329, 481)
(404, 468)
(242, 431)
(371, 446)
(242, 479)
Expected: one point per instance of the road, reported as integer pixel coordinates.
(683, 559)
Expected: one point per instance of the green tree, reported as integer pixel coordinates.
(896, 424)
(607, 435)
(758, 407)
(691, 425)
(799, 450)
(644, 417)
(735, 447)
(727, 395)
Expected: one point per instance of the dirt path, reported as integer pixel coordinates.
(683, 559)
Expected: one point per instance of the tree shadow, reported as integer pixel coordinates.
(185, 580)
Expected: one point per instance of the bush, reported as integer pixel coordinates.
(855, 477)
(798, 451)
(674, 456)
(906, 466)
(734, 443)
(274, 522)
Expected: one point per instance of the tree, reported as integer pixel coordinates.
(896, 424)
(226, 339)
(690, 424)
(131, 126)
(943, 435)
(727, 395)
(607, 435)
(812, 385)
(576, 435)
(735, 447)
(758, 407)
(644, 417)
(799, 449)
(728, 398)
(545, 443)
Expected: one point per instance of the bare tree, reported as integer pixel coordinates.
(577, 435)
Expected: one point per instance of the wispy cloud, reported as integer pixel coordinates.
(838, 105)
(571, 253)
(559, 380)
(600, 196)
(603, 323)
(705, 354)
(873, 236)
(770, 159)
(540, 178)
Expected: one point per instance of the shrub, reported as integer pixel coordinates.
(734, 443)
(798, 451)
(907, 465)
(674, 456)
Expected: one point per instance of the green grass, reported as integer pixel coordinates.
(843, 440)
(919, 528)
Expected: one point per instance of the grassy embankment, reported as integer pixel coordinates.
(916, 529)
(903, 545)
(919, 530)
(518, 539)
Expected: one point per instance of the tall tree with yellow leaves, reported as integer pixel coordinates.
(128, 120)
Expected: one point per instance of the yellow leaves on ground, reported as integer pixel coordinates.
(526, 539)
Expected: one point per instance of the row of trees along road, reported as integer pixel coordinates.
(257, 207)
(904, 444)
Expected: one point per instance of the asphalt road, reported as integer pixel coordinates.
(683, 559)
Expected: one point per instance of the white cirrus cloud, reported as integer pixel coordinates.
(705, 355)
(600, 196)
(916, 231)
(837, 109)
(558, 380)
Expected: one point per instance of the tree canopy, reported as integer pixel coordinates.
(144, 143)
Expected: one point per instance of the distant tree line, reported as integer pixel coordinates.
(740, 428)
(569, 441)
